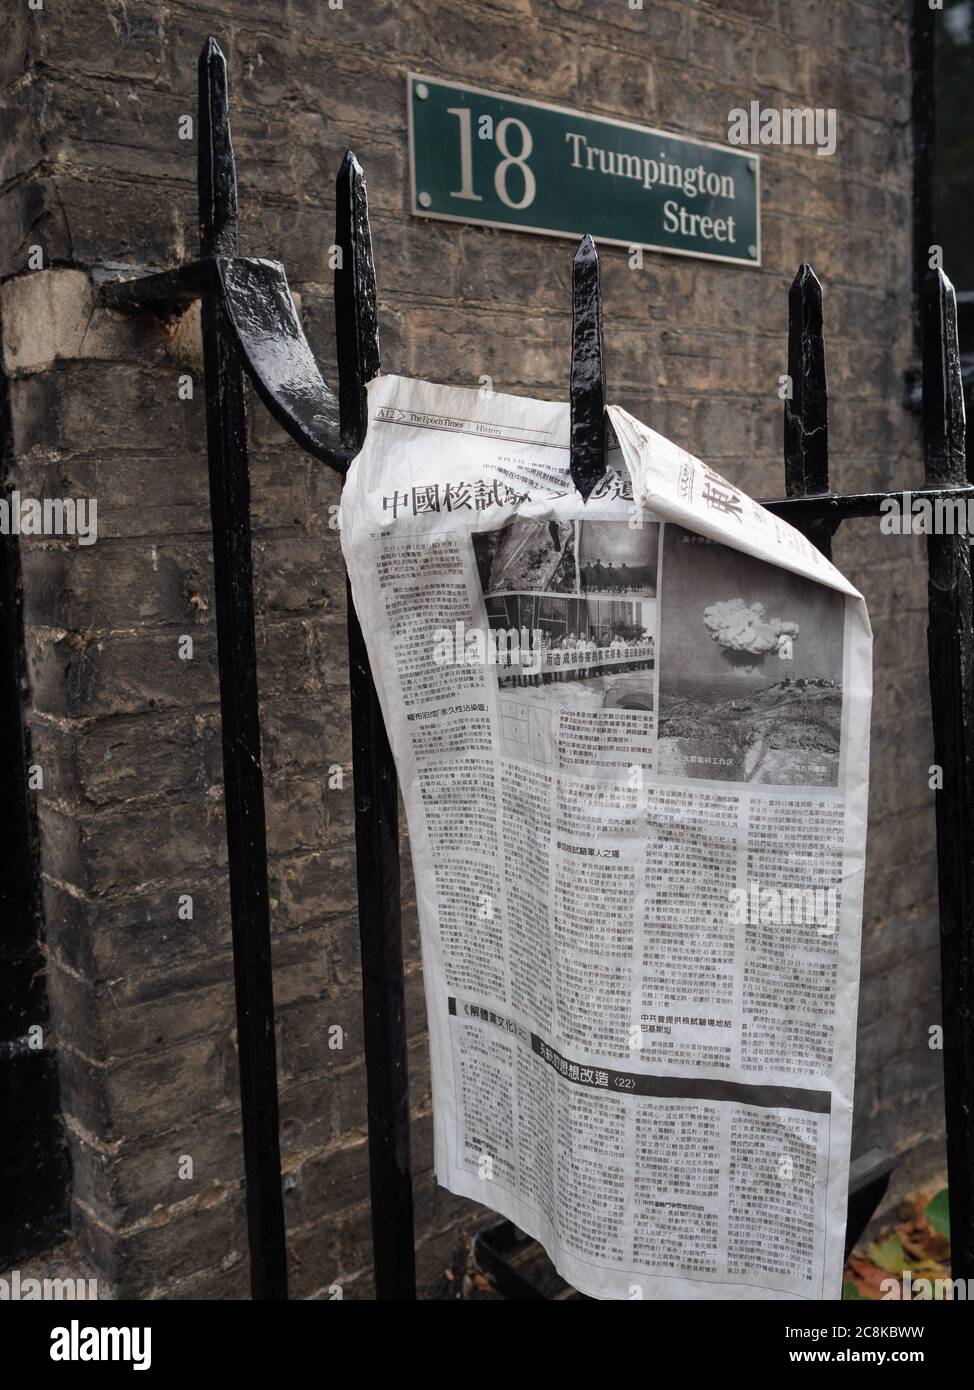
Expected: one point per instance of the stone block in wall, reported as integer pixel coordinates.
(32, 216)
(54, 315)
(129, 735)
(75, 676)
(140, 933)
(206, 1233)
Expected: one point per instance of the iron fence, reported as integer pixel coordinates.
(250, 325)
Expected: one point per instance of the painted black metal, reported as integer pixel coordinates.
(249, 321)
(807, 405)
(226, 429)
(356, 303)
(806, 459)
(835, 508)
(261, 313)
(376, 798)
(587, 387)
(279, 362)
(869, 1176)
(216, 168)
(950, 638)
(168, 292)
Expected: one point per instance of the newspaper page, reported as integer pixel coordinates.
(632, 738)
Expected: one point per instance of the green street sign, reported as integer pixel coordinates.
(478, 156)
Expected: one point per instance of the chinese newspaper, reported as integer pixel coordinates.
(632, 737)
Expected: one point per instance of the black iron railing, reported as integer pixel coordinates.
(250, 324)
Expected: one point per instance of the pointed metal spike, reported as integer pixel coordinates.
(807, 412)
(587, 389)
(356, 301)
(943, 387)
(586, 249)
(217, 173)
(376, 797)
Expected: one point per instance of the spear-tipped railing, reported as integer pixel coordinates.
(813, 508)
(587, 388)
(950, 641)
(250, 324)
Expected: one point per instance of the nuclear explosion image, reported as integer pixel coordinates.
(758, 697)
(745, 636)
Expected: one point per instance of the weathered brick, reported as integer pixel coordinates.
(128, 735)
(141, 935)
(128, 1179)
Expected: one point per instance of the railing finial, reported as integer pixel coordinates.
(807, 411)
(807, 403)
(356, 306)
(217, 170)
(587, 439)
(943, 386)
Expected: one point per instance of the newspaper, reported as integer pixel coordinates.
(632, 737)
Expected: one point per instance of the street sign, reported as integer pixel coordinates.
(478, 156)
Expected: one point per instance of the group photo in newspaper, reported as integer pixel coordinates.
(632, 737)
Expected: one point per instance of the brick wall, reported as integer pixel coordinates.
(128, 733)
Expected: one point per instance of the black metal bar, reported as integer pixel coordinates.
(376, 799)
(167, 291)
(226, 430)
(950, 639)
(588, 448)
(807, 405)
(356, 303)
(869, 1176)
(258, 305)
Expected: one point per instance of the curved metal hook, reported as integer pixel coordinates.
(256, 300)
(277, 356)
(263, 318)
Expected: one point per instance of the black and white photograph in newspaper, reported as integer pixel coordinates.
(750, 661)
(585, 594)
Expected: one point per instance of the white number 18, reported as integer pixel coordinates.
(508, 161)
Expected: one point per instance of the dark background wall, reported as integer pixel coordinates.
(127, 733)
